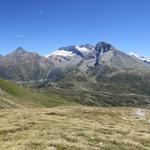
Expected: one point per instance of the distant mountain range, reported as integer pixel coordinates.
(24, 65)
(145, 59)
(91, 75)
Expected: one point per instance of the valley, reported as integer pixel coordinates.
(74, 75)
(92, 75)
(76, 98)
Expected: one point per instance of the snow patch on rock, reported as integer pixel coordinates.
(82, 49)
(142, 58)
(61, 53)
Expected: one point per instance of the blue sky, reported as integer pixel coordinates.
(45, 25)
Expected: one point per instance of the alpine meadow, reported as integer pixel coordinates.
(86, 84)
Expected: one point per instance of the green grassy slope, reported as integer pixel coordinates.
(13, 96)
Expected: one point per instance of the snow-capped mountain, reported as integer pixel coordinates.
(84, 48)
(72, 50)
(24, 65)
(70, 56)
(145, 59)
(61, 53)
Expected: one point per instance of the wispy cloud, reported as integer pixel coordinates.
(41, 11)
(19, 35)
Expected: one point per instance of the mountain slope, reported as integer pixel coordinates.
(69, 56)
(145, 59)
(13, 96)
(21, 65)
(107, 77)
(102, 76)
(65, 58)
(105, 54)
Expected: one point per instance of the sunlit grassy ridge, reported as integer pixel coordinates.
(75, 128)
(11, 88)
(13, 96)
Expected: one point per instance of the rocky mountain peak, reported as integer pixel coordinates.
(20, 50)
(103, 47)
(85, 47)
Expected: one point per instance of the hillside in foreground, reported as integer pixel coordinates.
(75, 128)
(13, 96)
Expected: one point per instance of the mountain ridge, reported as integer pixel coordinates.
(143, 58)
(103, 76)
(23, 65)
(100, 54)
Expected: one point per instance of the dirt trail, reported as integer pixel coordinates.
(11, 102)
